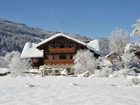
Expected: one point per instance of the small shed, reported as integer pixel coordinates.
(31, 52)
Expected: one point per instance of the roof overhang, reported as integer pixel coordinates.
(41, 44)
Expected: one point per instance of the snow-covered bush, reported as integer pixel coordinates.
(132, 73)
(118, 40)
(105, 67)
(2, 62)
(127, 63)
(8, 57)
(130, 60)
(121, 73)
(117, 64)
(136, 69)
(132, 47)
(84, 61)
(134, 81)
(5, 61)
(18, 66)
(102, 62)
(105, 72)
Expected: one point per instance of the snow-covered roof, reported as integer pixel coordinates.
(71, 38)
(58, 35)
(100, 45)
(95, 44)
(30, 51)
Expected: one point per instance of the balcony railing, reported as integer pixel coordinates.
(62, 50)
(50, 62)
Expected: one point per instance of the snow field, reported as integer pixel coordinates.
(67, 91)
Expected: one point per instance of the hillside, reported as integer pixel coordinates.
(14, 35)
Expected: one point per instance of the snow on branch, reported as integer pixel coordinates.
(84, 61)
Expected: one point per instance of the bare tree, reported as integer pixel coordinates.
(118, 40)
(136, 28)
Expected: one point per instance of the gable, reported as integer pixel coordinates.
(64, 39)
(60, 39)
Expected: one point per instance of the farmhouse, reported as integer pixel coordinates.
(55, 53)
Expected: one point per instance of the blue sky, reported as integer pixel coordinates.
(94, 18)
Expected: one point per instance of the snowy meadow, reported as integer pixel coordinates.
(67, 91)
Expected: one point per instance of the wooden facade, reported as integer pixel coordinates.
(64, 61)
(36, 62)
(112, 56)
(60, 51)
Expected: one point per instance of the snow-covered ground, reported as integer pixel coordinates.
(67, 91)
(3, 70)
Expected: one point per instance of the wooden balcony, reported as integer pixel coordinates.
(62, 50)
(50, 62)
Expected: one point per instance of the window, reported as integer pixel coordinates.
(72, 46)
(35, 60)
(45, 72)
(50, 71)
(68, 70)
(56, 57)
(62, 46)
(67, 46)
(57, 46)
(56, 71)
(51, 46)
(50, 57)
(62, 57)
(68, 56)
